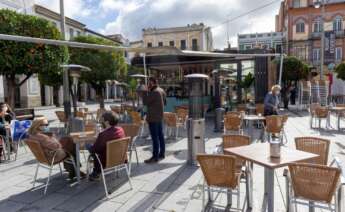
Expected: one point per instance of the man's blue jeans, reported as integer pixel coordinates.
(158, 143)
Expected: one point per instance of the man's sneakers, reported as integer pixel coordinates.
(94, 177)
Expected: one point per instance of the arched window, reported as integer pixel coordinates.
(338, 23)
(300, 28)
(317, 25)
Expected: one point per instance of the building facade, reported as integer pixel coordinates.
(267, 40)
(32, 93)
(302, 24)
(195, 37)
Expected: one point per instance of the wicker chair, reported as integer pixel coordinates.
(171, 122)
(233, 123)
(131, 130)
(317, 113)
(317, 146)
(116, 156)
(136, 119)
(260, 109)
(275, 126)
(44, 162)
(230, 141)
(241, 108)
(182, 115)
(62, 120)
(220, 173)
(317, 184)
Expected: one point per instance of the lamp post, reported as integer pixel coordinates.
(317, 5)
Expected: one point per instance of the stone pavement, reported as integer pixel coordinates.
(170, 185)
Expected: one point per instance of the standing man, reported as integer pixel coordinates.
(154, 99)
(271, 101)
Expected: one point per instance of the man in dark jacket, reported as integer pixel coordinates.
(155, 99)
(111, 132)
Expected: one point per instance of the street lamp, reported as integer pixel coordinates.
(317, 5)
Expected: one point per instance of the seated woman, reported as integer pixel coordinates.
(39, 131)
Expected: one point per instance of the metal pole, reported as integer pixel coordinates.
(66, 96)
(281, 69)
(145, 68)
(322, 39)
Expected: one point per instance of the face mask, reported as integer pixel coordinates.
(277, 93)
(45, 129)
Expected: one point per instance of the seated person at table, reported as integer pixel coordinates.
(271, 101)
(3, 123)
(40, 132)
(110, 132)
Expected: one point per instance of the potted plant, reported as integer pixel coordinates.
(246, 84)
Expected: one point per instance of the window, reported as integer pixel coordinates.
(246, 47)
(149, 45)
(338, 24)
(316, 54)
(338, 54)
(317, 26)
(71, 33)
(300, 27)
(296, 3)
(183, 44)
(195, 44)
(301, 53)
(252, 36)
(260, 35)
(78, 33)
(171, 43)
(160, 44)
(278, 48)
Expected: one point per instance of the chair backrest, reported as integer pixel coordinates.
(321, 112)
(131, 130)
(285, 118)
(117, 152)
(37, 151)
(80, 114)
(274, 124)
(314, 182)
(136, 117)
(219, 170)
(234, 113)
(170, 119)
(314, 145)
(181, 113)
(230, 141)
(61, 116)
(312, 107)
(232, 122)
(90, 127)
(260, 109)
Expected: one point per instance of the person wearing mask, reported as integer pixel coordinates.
(39, 131)
(154, 99)
(271, 101)
(111, 131)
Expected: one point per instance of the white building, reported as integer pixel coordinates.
(267, 40)
(32, 93)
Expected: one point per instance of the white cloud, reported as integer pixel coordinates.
(73, 8)
(134, 15)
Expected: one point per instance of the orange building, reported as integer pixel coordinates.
(302, 24)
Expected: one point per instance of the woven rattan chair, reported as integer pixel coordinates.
(131, 130)
(241, 108)
(171, 122)
(259, 109)
(230, 141)
(275, 126)
(220, 173)
(317, 184)
(136, 119)
(182, 115)
(233, 123)
(44, 162)
(314, 145)
(116, 156)
(322, 113)
(62, 120)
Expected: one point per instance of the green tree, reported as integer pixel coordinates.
(340, 70)
(27, 59)
(105, 65)
(246, 83)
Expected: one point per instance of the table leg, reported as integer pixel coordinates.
(249, 186)
(251, 131)
(338, 121)
(311, 206)
(77, 160)
(269, 189)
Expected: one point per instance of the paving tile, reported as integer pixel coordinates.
(141, 201)
(10, 206)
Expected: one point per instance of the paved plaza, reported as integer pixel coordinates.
(169, 185)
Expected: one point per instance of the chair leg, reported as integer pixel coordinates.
(129, 178)
(130, 160)
(104, 183)
(36, 172)
(61, 173)
(136, 154)
(46, 187)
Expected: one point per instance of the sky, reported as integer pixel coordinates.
(129, 17)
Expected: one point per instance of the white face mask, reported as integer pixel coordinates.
(277, 93)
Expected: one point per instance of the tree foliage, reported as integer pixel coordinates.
(340, 70)
(104, 65)
(20, 58)
(294, 69)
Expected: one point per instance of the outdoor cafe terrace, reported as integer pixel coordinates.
(170, 185)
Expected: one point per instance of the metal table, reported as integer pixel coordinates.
(251, 119)
(338, 111)
(259, 154)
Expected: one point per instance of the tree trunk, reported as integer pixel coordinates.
(56, 101)
(11, 90)
(101, 98)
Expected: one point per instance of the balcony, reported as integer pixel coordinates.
(315, 35)
(339, 34)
